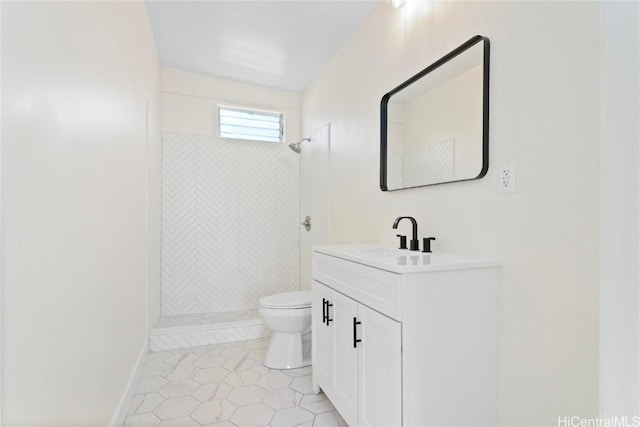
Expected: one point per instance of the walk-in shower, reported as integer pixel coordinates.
(231, 233)
(230, 236)
(295, 146)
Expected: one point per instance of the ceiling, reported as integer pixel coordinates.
(281, 44)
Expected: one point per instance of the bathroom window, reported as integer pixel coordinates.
(254, 125)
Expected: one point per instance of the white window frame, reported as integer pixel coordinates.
(250, 110)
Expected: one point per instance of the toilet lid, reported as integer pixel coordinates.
(297, 299)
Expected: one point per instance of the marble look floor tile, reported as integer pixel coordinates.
(302, 384)
(213, 411)
(176, 407)
(209, 360)
(298, 372)
(261, 369)
(222, 424)
(283, 398)
(158, 356)
(183, 350)
(142, 420)
(181, 372)
(149, 384)
(211, 375)
(274, 381)
(145, 403)
(180, 422)
(254, 415)
(235, 352)
(179, 388)
(258, 355)
(291, 417)
(213, 391)
(152, 369)
(242, 378)
(316, 403)
(246, 395)
(257, 344)
(226, 386)
(329, 419)
(209, 349)
(181, 359)
(238, 363)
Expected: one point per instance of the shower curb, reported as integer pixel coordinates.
(171, 338)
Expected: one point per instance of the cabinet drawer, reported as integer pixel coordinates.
(375, 288)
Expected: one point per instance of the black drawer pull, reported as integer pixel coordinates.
(355, 340)
(329, 320)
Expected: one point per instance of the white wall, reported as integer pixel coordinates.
(76, 78)
(545, 117)
(230, 232)
(619, 187)
(189, 102)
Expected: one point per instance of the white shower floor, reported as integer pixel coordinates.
(207, 318)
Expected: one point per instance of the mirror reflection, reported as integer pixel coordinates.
(434, 126)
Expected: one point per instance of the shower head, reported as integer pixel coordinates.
(295, 146)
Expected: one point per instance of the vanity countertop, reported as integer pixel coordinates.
(402, 261)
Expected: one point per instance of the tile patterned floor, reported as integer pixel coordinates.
(226, 385)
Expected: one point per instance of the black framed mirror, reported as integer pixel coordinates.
(434, 127)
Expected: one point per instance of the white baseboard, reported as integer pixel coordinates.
(127, 396)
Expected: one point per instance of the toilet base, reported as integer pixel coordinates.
(288, 350)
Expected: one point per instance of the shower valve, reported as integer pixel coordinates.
(307, 223)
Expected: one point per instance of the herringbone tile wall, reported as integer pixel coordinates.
(230, 231)
(434, 163)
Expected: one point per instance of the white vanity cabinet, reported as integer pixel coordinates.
(403, 338)
(357, 354)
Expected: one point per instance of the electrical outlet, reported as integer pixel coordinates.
(507, 178)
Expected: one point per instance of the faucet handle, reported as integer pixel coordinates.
(426, 244)
(403, 241)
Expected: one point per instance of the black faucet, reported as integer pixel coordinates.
(414, 245)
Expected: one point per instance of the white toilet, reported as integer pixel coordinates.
(288, 315)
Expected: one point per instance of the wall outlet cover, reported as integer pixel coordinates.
(507, 178)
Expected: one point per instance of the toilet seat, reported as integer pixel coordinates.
(287, 300)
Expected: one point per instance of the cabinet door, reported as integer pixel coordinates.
(322, 338)
(380, 369)
(344, 395)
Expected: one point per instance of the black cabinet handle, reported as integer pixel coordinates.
(355, 340)
(329, 320)
(324, 310)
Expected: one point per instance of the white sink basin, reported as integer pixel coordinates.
(377, 252)
(403, 260)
